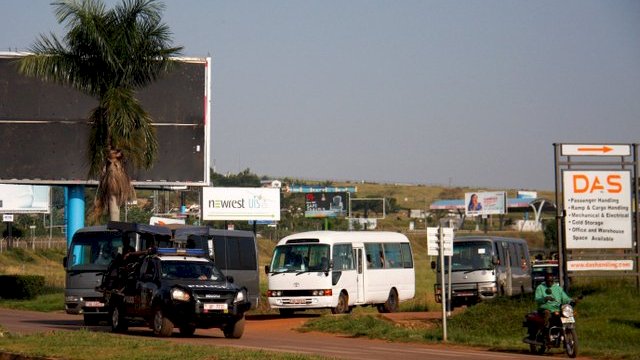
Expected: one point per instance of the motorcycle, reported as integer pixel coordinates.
(560, 332)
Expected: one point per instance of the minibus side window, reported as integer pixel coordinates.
(407, 259)
(343, 257)
(374, 255)
(392, 255)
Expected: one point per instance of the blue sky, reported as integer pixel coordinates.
(462, 93)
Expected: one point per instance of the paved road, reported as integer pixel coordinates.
(268, 333)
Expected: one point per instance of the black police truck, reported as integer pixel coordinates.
(167, 288)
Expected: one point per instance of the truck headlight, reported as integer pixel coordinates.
(180, 295)
(72, 298)
(239, 296)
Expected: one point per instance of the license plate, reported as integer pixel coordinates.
(94, 304)
(464, 294)
(298, 301)
(215, 306)
(567, 320)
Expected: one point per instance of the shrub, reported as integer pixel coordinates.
(21, 286)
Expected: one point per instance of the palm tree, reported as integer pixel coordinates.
(109, 54)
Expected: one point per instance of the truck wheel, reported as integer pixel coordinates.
(343, 304)
(234, 330)
(118, 321)
(162, 326)
(391, 305)
(187, 330)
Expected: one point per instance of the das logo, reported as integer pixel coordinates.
(590, 183)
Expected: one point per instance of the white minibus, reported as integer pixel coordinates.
(339, 270)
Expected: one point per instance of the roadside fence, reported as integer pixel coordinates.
(32, 243)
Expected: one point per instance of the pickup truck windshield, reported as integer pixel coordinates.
(186, 270)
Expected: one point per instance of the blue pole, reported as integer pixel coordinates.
(75, 212)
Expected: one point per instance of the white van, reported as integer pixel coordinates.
(483, 267)
(339, 270)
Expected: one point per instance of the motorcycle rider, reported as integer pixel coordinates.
(550, 297)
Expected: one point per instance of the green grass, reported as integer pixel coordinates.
(88, 345)
(608, 323)
(53, 300)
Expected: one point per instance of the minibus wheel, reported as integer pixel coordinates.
(343, 304)
(391, 305)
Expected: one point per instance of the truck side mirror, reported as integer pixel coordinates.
(495, 261)
(433, 265)
(266, 269)
(230, 278)
(64, 262)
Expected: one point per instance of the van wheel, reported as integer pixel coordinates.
(161, 325)
(234, 330)
(391, 305)
(118, 322)
(343, 304)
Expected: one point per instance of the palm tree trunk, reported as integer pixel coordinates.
(114, 209)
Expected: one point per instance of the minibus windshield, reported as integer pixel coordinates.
(470, 256)
(300, 257)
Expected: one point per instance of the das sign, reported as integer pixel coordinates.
(598, 211)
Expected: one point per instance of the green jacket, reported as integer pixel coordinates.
(560, 297)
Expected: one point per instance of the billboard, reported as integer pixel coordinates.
(44, 130)
(25, 199)
(485, 203)
(220, 203)
(325, 204)
(598, 212)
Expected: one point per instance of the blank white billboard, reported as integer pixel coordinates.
(24, 199)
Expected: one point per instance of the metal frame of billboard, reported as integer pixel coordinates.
(590, 163)
(384, 206)
(44, 131)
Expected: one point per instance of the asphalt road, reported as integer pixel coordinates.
(269, 333)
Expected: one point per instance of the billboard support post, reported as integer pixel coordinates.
(76, 205)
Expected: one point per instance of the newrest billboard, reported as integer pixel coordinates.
(44, 130)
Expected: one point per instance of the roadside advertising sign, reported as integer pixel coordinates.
(597, 205)
(240, 203)
(595, 150)
(604, 265)
(325, 204)
(485, 203)
(25, 199)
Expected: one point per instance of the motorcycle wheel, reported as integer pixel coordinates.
(571, 342)
(538, 349)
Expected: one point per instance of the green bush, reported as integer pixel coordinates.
(21, 286)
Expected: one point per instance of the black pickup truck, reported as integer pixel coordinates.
(167, 288)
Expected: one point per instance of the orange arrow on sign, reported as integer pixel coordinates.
(605, 149)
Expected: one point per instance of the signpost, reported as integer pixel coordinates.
(440, 242)
(598, 214)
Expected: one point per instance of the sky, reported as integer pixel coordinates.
(454, 93)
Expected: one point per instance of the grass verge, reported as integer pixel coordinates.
(608, 323)
(87, 345)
